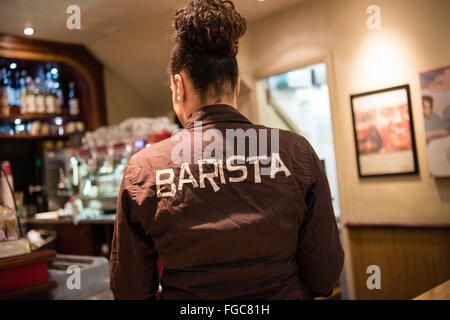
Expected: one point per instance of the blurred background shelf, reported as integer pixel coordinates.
(31, 137)
(38, 117)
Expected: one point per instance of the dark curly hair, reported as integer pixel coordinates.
(206, 35)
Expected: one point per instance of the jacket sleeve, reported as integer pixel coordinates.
(133, 269)
(320, 255)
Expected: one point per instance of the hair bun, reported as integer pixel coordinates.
(209, 27)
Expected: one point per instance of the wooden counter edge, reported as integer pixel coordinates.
(43, 222)
(26, 259)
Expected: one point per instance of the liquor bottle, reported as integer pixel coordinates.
(75, 173)
(10, 88)
(31, 97)
(63, 188)
(57, 101)
(74, 105)
(17, 89)
(84, 173)
(4, 107)
(58, 92)
(40, 99)
(50, 102)
(23, 94)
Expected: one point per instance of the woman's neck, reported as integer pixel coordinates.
(228, 100)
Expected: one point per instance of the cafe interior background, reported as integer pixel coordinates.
(321, 68)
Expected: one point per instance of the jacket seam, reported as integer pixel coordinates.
(133, 180)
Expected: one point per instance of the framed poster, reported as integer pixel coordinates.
(435, 86)
(384, 132)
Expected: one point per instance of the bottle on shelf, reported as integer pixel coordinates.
(75, 173)
(58, 92)
(4, 105)
(10, 88)
(50, 101)
(84, 174)
(23, 93)
(57, 101)
(40, 99)
(74, 105)
(63, 187)
(17, 88)
(31, 97)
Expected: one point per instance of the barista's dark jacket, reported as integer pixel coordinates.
(276, 239)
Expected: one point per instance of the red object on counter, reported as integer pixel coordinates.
(7, 167)
(24, 271)
(23, 276)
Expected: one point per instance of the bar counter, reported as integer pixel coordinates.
(89, 237)
(104, 219)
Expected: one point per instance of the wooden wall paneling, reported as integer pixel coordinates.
(412, 259)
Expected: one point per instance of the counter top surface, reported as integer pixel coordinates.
(441, 292)
(104, 219)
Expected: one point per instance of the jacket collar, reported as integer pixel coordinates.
(214, 114)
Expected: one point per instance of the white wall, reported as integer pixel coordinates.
(138, 54)
(122, 101)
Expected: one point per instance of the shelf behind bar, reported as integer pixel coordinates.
(103, 219)
(31, 137)
(39, 117)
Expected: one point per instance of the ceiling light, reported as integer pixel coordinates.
(13, 65)
(28, 31)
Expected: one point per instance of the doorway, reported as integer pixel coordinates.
(299, 101)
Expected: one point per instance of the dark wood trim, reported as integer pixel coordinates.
(359, 225)
(40, 117)
(32, 292)
(89, 70)
(26, 259)
(412, 259)
(32, 137)
(30, 44)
